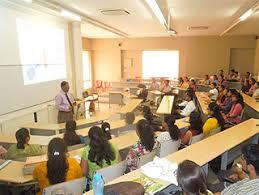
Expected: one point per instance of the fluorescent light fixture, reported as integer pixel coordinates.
(70, 15)
(155, 8)
(246, 15)
(27, 1)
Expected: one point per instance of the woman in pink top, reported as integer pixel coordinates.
(234, 115)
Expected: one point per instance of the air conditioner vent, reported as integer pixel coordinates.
(197, 28)
(115, 12)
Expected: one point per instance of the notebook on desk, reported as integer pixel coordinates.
(4, 163)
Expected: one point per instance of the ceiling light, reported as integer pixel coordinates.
(27, 1)
(70, 15)
(246, 15)
(156, 10)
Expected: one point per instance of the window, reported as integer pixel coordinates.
(42, 52)
(87, 70)
(160, 64)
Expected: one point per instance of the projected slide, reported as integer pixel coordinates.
(42, 52)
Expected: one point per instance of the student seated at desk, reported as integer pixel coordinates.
(252, 82)
(245, 86)
(234, 115)
(188, 105)
(213, 93)
(215, 119)
(23, 149)
(153, 120)
(146, 144)
(221, 97)
(166, 88)
(215, 79)
(143, 92)
(227, 104)
(172, 132)
(180, 81)
(247, 176)
(129, 120)
(154, 85)
(194, 129)
(59, 168)
(231, 75)
(99, 153)
(106, 128)
(193, 85)
(192, 179)
(206, 80)
(256, 92)
(3, 152)
(185, 82)
(70, 136)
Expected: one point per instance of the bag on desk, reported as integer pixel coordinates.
(124, 188)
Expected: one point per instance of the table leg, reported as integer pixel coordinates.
(224, 161)
(206, 168)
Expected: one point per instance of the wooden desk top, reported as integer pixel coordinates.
(201, 153)
(166, 105)
(54, 127)
(156, 92)
(131, 106)
(34, 139)
(250, 101)
(204, 100)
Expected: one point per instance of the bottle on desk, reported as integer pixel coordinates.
(98, 184)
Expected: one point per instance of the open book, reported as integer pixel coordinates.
(149, 185)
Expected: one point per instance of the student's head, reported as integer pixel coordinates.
(57, 161)
(71, 126)
(237, 98)
(214, 112)
(167, 82)
(147, 113)
(236, 73)
(106, 128)
(207, 77)
(215, 77)
(191, 178)
(169, 125)
(250, 159)
(195, 121)
(221, 72)
(232, 71)
(130, 118)
(221, 88)
(231, 92)
(186, 79)
(64, 86)
(225, 91)
(22, 137)
(213, 85)
(153, 80)
(192, 81)
(180, 79)
(145, 134)
(252, 81)
(248, 74)
(100, 148)
(189, 95)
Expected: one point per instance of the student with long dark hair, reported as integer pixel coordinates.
(221, 96)
(234, 115)
(192, 179)
(23, 148)
(227, 104)
(99, 153)
(194, 129)
(146, 144)
(245, 86)
(215, 119)
(59, 168)
(70, 136)
(252, 82)
(172, 132)
(153, 120)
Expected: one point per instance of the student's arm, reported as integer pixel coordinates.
(186, 138)
(85, 167)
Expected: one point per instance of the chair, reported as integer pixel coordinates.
(115, 98)
(196, 139)
(147, 158)
(112, 172)
(75, 187)
(168, 147)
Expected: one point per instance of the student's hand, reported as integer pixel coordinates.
(69, 108)
(178, 111)
(233, 176)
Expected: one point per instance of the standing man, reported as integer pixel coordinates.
(64, 102)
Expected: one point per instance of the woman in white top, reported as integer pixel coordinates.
(188, 104)
(172, 132)
(213, 93)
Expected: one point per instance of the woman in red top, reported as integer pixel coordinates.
(234, 115)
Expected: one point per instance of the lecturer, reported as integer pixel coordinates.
(64, 102)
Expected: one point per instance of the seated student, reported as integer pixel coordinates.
(194, 129)
(185, 82)
(143, 92)
(215, 79)
(231, 75)
(172, 132)
(256, 92)
(154, 85)
(3, 152)
(153, 120)
(252, 88)
(227, 104)
(106, 128)
(188, 104)
(146, 144)
(221, 80)
(221, 97)
(221, 73)
(23, 149)
(245, 86)
(248, 76)
(193, 85)
(234, 115)
(192, 179)
(70, 136)
(236, 76)
(59, 168)
(99, 153)
(215, 119)
(166, 88)
(180, 81)
(250, 165)
(213, 93)
(207, 80)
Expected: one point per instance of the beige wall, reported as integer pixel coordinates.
(198, 55)
(256, 64)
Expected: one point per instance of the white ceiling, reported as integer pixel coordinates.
(217, 14)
